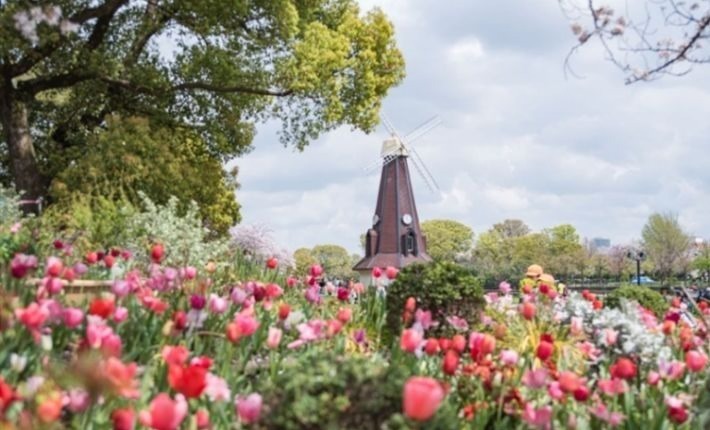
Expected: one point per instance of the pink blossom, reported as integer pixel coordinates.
(76, 400)
(554, 391)
(589, 350)
(309, 332)
(80, 269)
(120, 314)
(653, 378)
(249, 408)
(610, 336)
(53, 285)
(188, 272)
(111, 345)
(391, 272)
(312, 295)
(72, 317)
(120, 288)
(457, 323)
(238, 295)
(96, 331)
(164, 413)
(54, 267)
(576, 327)
(671, 370)
(504, 287)
(274, 338)
(612, 387)
(424, 319)
(246, 323)
(612, 418)
(217, 304)
(217, 389)
(509, 357)
(540, 417)
(535, 378)
(21, 264)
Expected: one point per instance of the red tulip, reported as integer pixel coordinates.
(527, 310)
(165, 413)
(284, 310)
(581, 394)
(458, 342)
(102, 307)
(569, 381)
(376, 272)
(544, 289)
(272, 263)
(91, 258)
(411, 339)
(544, 350)
(431, 347)
(54, 267)
(123, 419)
(157, 252)
(451, 362)
(623, 369)
(422, 397)
(678, 414)
(109, 261)
(696, 361)
(444, 343)
(188, 380)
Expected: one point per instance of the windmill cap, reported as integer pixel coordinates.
(534, 270)
(546, 277)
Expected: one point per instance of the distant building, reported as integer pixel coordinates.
(601, 243)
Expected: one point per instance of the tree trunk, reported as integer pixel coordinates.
(23, 161)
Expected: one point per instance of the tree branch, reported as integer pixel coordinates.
(43, 51)
(102, 23)
(192, 86)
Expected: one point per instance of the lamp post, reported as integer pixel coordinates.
(637, 256)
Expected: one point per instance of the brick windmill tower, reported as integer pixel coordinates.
(395, 238)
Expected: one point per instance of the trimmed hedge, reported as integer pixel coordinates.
(646, 297)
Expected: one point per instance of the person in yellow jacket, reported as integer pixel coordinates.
(530, 281)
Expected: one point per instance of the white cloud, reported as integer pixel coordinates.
(518, 140)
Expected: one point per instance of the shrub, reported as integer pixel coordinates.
(646, 297)
(327, 390)
(444, 288)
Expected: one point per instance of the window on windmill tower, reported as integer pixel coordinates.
(410, 243)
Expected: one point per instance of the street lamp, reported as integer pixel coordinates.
(638, 256)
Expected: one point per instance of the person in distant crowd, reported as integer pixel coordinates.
(561, 288)
(532, 276)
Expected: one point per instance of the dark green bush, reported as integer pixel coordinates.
(443, 288)
(326, 390)
(646, 297)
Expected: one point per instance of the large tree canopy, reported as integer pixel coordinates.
(218, 67)
(666, 244)
(447, 239)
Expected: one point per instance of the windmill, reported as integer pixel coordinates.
(395, 238)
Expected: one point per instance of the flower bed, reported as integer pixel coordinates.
(184, 347)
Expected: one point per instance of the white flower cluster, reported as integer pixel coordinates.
(256, 241)
(574, 306)
(26, 22)
(634, 337)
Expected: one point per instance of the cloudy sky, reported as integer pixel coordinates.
(518, 139)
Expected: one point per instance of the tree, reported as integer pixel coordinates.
(304, 259)
(619, 263)
(447, 240)
(648, 40)
(666, 244)
(511, 228)
(335, 259)
(312, 65)
(564, 250)
(130, 156)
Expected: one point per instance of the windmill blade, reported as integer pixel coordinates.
(423, 170)
(388, 124)
(423, 176)
(423, 129)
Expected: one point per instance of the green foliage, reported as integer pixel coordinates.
(303, 258)
(443, 288)
(646, 297)
(447, 239)
(666, 244)
(326, 390)
(88, 223)
(131, 156)
(335, 260)
(9, 207)
(311, 65)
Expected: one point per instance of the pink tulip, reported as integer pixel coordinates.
(504, 287)
(376, 272)
(217, 389)
(653, 378)
(164, 413)
(21, 264)
(539, 417)
(509, 357)
(217, 304)
(189, 272)
(52, 284)
(422, 397)
(120, 314)
(121, 288)
(391, 272)
(72, 317)
(249, 408)
(274, 338)
(247, 324)
(575, 327)
(535, 378)
(54, 267)
(696, 361)
(611, 336)
(315, 271)
(77, 400)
